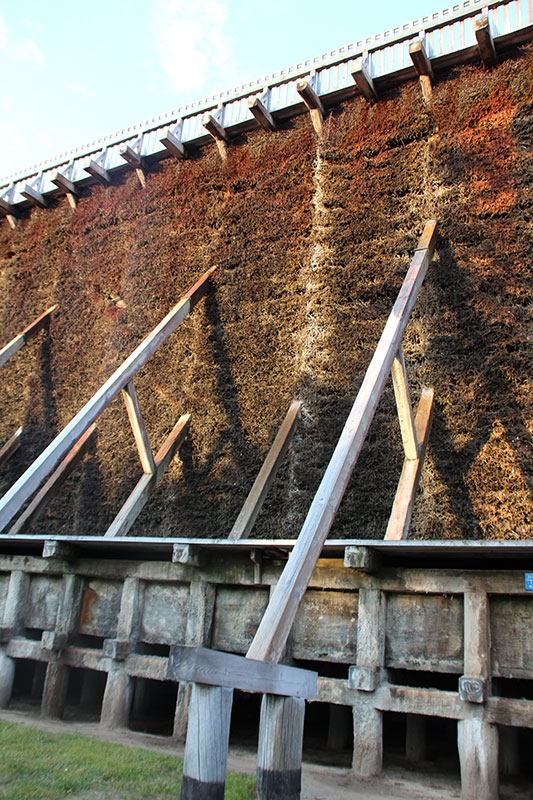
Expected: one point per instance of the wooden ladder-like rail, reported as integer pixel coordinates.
(55, 463)
(214, 675)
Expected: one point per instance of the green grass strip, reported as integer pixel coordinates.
(51, 766)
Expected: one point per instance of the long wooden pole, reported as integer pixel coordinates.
(271, 636)
(29, 482)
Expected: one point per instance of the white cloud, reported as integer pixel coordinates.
(21, 49)
(193, 44)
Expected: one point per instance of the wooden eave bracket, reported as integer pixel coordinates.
(485, 42)
(7, 208)
(306, 89)
(214, 124)
(363, 79)
(420, 59)
(63, 181)
(34, 195)
(131, 154)
(10, 446)
(259, 108)
(172, 141)
(97, 171)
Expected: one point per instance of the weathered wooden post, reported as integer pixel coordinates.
(366, 676)
(477, 739)
(118, 693)
(12, 624)
(279, 758)
(56, 679)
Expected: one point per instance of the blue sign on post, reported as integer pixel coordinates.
(528, 581)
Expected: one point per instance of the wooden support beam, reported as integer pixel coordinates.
(252, 506)
(402, 508)
(173, 143)
(213, 125)
(64, 551)
(97, 171)
(10, 446)
(404, 406)
(271, 636)
(363, 79)
(12, 220)
(313, 102)
(279, 756)
(66, 185)
(478, 757)
(6, 207)
(420, 59)
(259, 109)
(147, 484)
(364, 559)
(35, 197)
(30, 481)
(36, 508)
(42, 322)
(189, 554)
(485, 42)
(131, 155)
(206, 748)
(215, 668)
(140, 434)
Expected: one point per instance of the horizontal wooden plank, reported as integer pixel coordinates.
(30, 481)
(215, 668)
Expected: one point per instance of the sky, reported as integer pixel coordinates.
(73, 70)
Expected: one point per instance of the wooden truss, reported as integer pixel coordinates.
(282, 711)
(56, 462)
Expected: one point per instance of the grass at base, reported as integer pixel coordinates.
(50, 766)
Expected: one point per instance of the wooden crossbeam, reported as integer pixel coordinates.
(97, 171)
(140, 434)
(10, 446)
(64, 183)
(404, 405)
(253, 503)
(215, 668)
(270, 639)
(6, 207)
(363, 79)
(132, 156)
(485, 41)
(148, 482)
(30, 481)
(35, 197)
(402, 508)
(258, 107)
(54, 482)
(18, 342)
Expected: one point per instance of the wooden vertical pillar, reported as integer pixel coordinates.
(478, 755)
(279, 758)
(118, 692)
(198, 632)
(477, 739)
(56, 679)
(367, 720)
(7, 677)
(206, 748)
(12, 623)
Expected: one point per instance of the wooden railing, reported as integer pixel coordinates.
(58, 457)
(213, 676)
